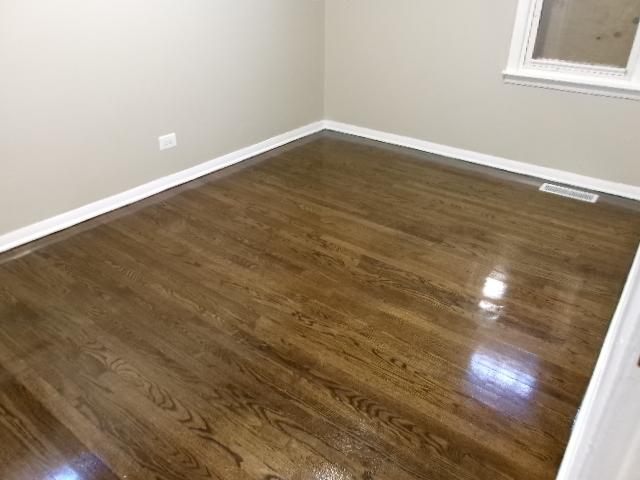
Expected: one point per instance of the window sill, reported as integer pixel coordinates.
(609, 87)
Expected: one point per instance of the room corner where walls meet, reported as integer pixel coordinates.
(87, 89)
(433, 71)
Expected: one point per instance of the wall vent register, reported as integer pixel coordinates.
(569, 193)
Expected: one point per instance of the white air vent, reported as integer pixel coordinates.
(569, 192)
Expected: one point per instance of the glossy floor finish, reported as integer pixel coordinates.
(336, 309)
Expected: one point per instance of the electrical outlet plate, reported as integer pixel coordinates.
(168, 141)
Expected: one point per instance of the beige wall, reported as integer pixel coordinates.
(87, 86)
(432, 70)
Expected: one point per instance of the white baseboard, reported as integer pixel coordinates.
(545, 173)
(60, 222)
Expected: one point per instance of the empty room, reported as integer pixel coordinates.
(319, 240)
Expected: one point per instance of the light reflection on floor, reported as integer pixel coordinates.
(494, 286)
(503, 384)
(494, 289)
(65, 473)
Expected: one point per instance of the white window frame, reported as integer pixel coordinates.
(523, 69)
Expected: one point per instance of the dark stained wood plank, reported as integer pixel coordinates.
(337, 308)
(37, 445)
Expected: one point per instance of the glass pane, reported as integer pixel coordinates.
(599, 32)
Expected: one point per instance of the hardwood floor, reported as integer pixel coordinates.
(335, 309)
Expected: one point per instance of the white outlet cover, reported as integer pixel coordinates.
(168, 141)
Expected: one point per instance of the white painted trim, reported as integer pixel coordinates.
(535, 15)
(60, 222)
(578, 68)
(609, 369)
(545, 173)
(633, 67)
(523, 69)
(555, 80)
(525, 14)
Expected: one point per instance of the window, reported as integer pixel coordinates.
(588, 46)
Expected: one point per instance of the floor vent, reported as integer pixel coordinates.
(569, 192)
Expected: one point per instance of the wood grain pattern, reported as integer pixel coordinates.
(335, 309)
